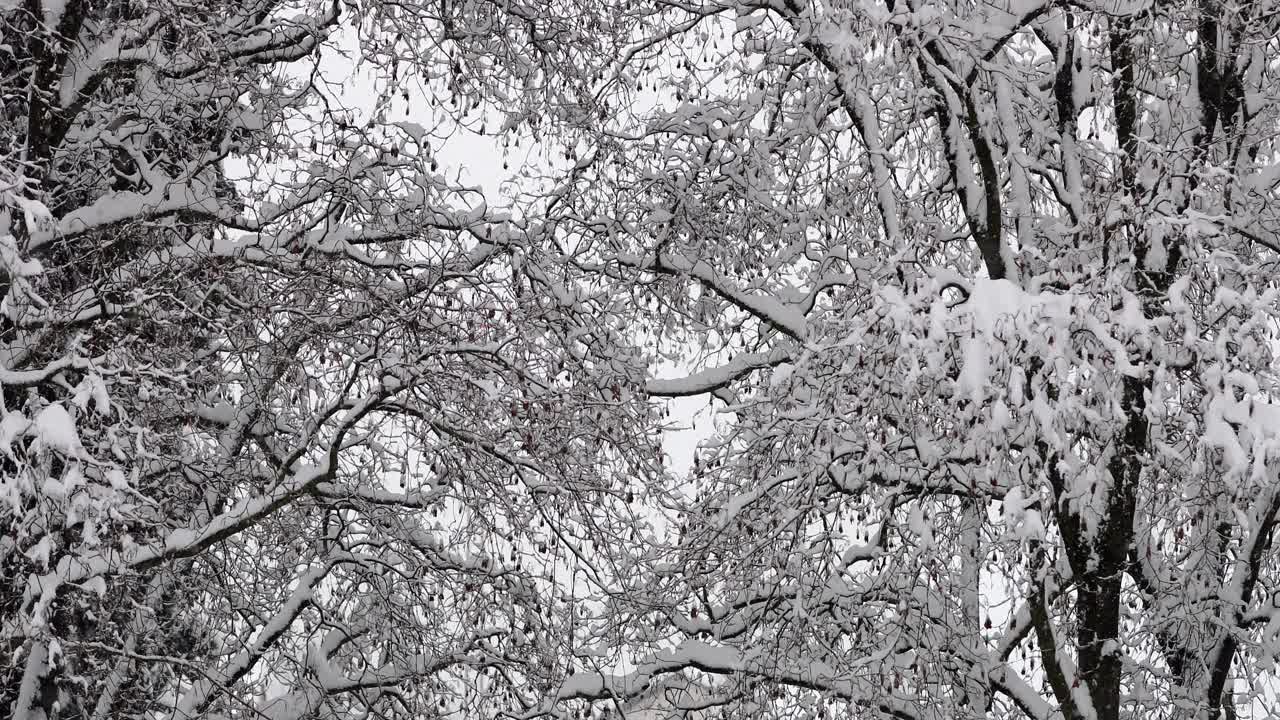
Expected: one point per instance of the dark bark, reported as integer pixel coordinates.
(49, 49)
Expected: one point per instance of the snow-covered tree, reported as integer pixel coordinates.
(293, 425)
(985, 295)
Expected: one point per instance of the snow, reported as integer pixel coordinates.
(992, 300)
(39, 553)
(53, 10)
(37, 668)
(781, 374)
(1219, 434)
(582, 685)
(489, 387)
(921, 527)
(1014, 502)
(1021, 518)
(55, 429)
(250, 118)
(707, 380)
(13, 426)
(744, 22)
(690, 653)
(1026, 696)
(297, 704)
(782, 316)
(990, 303)
(659, 215)
(975, 367)
(1001, 418)
(96, 585)
(92, 387)
(80, 70)
(176, 544)
(298, 599)
(163, 198)
(12, 261)
(1032, 526)
(39, 221)
(54, 489)
(1266, 178)
(1237, 425)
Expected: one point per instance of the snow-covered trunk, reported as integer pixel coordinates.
(1101, 562)
(1098, 631)
(1096, 639)
(50, 46)
(141, 624)
(116, 679)
(976, 689)
(34, 699)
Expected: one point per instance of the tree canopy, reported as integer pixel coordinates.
(297, 424)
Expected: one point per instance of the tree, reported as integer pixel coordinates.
(280, 440)
(985, 294)
(981, 289)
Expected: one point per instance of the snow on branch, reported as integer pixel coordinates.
(712, 379)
